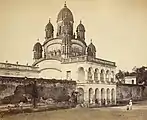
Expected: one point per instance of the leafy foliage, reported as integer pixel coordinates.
(120, 76)
(140, 73)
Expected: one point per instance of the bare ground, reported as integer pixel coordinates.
(139, 112)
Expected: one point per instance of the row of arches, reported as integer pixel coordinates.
(54, 53)
(99, 96)
(96, 75)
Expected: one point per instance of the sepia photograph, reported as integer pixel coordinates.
(73, 60)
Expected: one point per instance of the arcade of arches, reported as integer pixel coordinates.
(100, 96)
(96, 75)
(96, 86)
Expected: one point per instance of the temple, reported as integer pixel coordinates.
(65, 55)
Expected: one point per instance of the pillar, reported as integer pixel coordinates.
(115, 96)
(86, 96)
(92, 72)
(105, 89)
(100, 97)
(110, 97)
(104, 77)
(99, 77)
(86, 74)
(109, 76)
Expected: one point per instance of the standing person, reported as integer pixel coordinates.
(130, 104)
(127, 106)
(21, 105)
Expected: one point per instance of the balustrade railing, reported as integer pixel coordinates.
(107, 79)
(95, 78)
(16, 66)
(102, 79)
(97, 81)
(90, 59)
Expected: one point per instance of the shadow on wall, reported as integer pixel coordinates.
(25, 93)
(127, 92)
(145, 92)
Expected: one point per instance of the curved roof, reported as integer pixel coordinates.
(91, 47)
(80, 27)
(49, 26)
(37, 47)
(65, 13)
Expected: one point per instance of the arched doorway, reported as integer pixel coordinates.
(102, 75)
(96, 74)
(91, 95)
(96, 95)
(80, 96)
(103, 101)
(113, 96)
(107, 75)
(89, 74)
(108, 96)
(112, 76)
(81, 74)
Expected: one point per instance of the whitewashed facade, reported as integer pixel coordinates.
(130, 80)
(17, 70)
(67, 56)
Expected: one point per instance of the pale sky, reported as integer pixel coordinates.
(118, 28)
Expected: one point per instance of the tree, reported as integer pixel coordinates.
(141, 75)
(120, 76)
(34, 94)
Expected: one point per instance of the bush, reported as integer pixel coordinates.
(13, 99)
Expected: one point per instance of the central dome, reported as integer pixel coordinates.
(65, 13)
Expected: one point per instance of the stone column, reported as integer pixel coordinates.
(104, 77)
(110, 97)
(92, 72)
(99, 77)
(93, 98)
(100, 96)
(86, 74)
(114, 79)
(115, 96)
(86, 96)
(105, 95)
(109, 76)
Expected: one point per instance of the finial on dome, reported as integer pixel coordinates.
(49, 20)
(38, 39)
(65, 4)
(80, 21)
(91, 40)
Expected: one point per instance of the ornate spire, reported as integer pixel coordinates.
(49, 20)
(65, 4)
(38, 39)
(80, 21)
